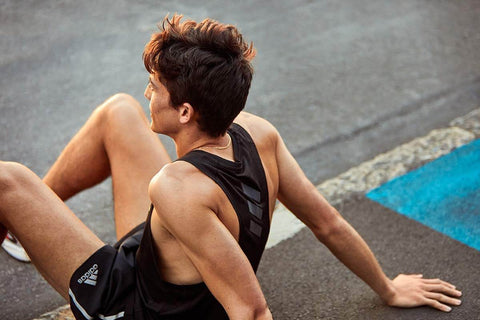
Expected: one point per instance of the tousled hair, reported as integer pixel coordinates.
(206, 64)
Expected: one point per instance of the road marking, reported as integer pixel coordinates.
(443, 194)
(373, 173)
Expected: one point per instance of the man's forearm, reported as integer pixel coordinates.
(349, 247)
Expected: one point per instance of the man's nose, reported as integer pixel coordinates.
(147, 93)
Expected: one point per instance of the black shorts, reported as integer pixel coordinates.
(104, 286)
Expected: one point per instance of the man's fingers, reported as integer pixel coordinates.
(416, 275)
(443, 298)
(437, 305)
(438, 281)
(443, 289)
(413, 290)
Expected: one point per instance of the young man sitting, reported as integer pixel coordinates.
(194, 254)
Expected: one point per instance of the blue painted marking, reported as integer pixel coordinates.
(443, 194)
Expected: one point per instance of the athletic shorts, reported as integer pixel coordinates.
(104, 286)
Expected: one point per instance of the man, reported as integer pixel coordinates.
(195, 254)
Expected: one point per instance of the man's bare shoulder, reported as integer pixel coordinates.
(261, 130)
(180, 183)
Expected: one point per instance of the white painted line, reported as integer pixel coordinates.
(374, 173)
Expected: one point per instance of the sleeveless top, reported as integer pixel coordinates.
(245, 185)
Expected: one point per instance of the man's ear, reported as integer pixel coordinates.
(186, 113)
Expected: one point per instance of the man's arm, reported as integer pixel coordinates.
(301, 197)
(184, 210)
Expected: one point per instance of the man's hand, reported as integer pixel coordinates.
(413, 291)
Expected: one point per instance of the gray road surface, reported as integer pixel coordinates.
(342, 81)
(317, 286)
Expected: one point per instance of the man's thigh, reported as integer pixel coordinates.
(54, 238)
(136, 154)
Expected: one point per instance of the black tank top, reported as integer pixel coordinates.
(245, 185)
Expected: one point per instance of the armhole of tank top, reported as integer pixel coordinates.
(262, 168)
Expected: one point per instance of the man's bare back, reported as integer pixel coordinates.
(202, 191)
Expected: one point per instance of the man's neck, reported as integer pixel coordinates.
(187, 141)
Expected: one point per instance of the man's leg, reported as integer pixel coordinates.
(115, 140)
(54, 238)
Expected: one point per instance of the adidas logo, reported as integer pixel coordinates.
(90, 277)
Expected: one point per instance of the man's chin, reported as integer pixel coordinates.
(157, 130)
(152, 127)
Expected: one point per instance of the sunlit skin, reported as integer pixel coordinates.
(160, 106)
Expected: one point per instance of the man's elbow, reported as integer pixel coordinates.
(329, 228)
(258, 312)
(262, 313)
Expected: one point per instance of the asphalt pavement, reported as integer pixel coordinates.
(303, 280)
(342, 81)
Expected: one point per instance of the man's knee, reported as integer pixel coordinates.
(120, 106)
(120, 114)
(13, 176)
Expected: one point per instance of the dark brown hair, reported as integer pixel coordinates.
(206, 64)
